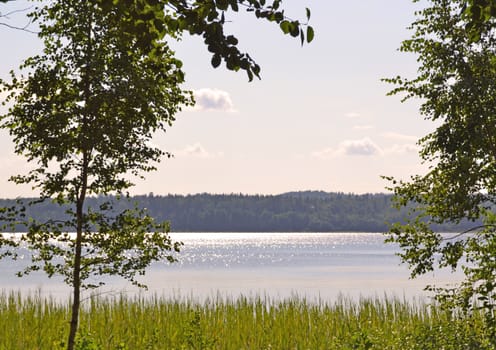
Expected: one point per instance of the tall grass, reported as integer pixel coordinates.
(33, 322)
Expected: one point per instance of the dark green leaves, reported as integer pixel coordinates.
(207, 19)
(476, 14)
(150, 20)
(222, 4)
(285, 26)
(294, 29)
(455, 86)
(310, 34)
(216, 60)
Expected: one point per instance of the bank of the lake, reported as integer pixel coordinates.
(33, 322)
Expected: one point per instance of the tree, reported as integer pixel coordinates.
(456, 85)
(84, 114)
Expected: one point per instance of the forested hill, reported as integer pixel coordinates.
(310, 211)
(290, 212)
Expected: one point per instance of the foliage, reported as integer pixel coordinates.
(150, 21)
(83, 115)
(477, 13)
(31, 322)
(207, 18)
(455, 84)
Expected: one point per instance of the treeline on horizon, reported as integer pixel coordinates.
(308, 211)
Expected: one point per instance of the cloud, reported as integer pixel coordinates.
(198, 151)
(353, 115)
(398, 136)
(213, 100)
(362, 147)
(402, 149)
(406, 143)
(325, 153)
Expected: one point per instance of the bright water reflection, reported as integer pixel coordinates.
(270, 250)
(314, 265)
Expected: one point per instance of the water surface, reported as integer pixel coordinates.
(318, 266)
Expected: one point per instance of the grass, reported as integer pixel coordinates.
(33, 322)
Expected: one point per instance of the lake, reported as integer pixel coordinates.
(317, 266)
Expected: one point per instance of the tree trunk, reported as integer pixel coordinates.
(76, 282)
(81, 196)
(76, 279)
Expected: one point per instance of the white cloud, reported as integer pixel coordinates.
(325, 153)
(406, 143)
(198, 151)
(361, 147)
(213, 100)
(352, 115)
(398, 136)
(402, 149)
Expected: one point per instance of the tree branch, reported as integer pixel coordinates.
(24, 28)
(468, 231)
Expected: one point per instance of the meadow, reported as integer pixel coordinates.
(35, 322)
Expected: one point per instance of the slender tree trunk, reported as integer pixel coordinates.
(76, 279)
(81, 195)
(76, 282)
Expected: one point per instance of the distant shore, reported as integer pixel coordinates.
(307, 211)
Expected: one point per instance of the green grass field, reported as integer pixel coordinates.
(32, 322)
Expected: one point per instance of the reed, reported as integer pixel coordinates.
(34, 322)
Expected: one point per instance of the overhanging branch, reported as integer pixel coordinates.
(10, 26)
(476, 228)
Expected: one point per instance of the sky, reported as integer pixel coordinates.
(319, 119)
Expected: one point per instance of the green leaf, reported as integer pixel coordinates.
(234, 5)
(216, 60)
(222, 4)
(285, 26)
(310, 34)
(250, 75)
(232, 40)
(295, 29)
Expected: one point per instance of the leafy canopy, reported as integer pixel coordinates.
(155, 18)
(456, 84)
(150, 21)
